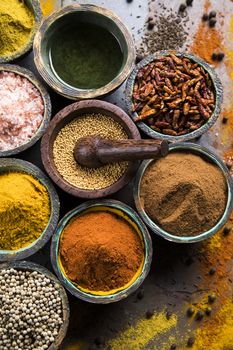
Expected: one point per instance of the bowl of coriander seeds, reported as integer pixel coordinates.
(87, 118)
(41, 308)
(174, 96)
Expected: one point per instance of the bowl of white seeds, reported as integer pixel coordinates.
(40, 316)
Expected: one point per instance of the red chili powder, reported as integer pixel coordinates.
(100, 251)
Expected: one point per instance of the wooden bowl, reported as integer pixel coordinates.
(217, 86)
(86, 13)
(47, 107)
(34, 6)
(30, 266)
(65, 116)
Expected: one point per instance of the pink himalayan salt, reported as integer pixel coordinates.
(21, 110)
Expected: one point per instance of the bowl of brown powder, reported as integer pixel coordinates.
(87, 118)
(174, 96)
(186, 196)
(101, 251)
(25, 109)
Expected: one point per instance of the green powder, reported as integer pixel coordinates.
(85, 56)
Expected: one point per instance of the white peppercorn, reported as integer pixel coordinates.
(29, 325)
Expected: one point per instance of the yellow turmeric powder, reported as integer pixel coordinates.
(139, 336)
(16, 24)
(48, 6)
(24, 210)
(217, 334)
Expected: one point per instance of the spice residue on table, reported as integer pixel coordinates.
(70, 170)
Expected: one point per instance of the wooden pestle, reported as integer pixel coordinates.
(94, 151)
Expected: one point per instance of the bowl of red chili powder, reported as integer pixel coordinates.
(185, 197)
(101, 251)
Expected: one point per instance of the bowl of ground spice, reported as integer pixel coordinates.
(101, 251)
(25, 109)
(40, 307)
(29, 209)
(19, 21)
(87, 118)
(174, 96)
(84, 51)
(185, 197)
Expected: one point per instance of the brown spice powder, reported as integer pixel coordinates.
(184, 194)
(100, 251)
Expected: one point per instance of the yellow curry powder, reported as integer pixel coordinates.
(48, 6)
(217, 333)
(138, 336)
(16, 24)
(24, 210)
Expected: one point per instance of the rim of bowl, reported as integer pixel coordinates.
(193, 148)
(71, 92)
(28, 265)
(47, 144)
(34, 5)
(47, 107)
(18, 165)
(148, 251)
(217, 85)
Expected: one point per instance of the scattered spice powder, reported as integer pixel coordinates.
(139, 336)
(16, 25)
(71, 171)
(24, 210)
(184, 194)
(173, 95)
(100, 251)
(165, 31)
(207, 40)
(21, 110)
(48, 6)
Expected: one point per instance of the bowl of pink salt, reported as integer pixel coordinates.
(186, 196)
(25, 109)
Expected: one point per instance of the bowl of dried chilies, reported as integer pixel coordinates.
(173, 96)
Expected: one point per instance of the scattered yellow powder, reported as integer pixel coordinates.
(135, 338)
(217, 334)
(48, 6)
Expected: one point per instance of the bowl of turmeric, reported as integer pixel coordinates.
(29, 209)
(19, 21)
(101, 251)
